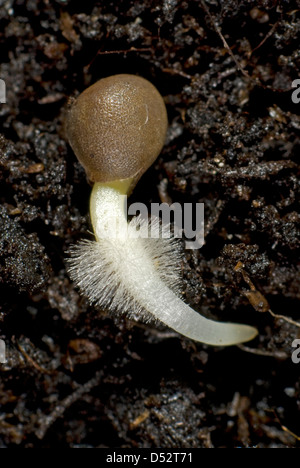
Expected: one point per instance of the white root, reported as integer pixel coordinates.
(138, 276)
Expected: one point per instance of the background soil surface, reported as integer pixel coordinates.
(77, 377)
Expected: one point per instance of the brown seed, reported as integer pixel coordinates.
(117, 127)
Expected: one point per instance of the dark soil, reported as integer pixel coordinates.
(77, 377)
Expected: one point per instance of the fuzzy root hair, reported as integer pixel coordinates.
(96, 267)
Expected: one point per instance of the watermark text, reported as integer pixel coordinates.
(296, 353)
(164, 221)
(296, 93)
(2, 352)
(2, 92)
